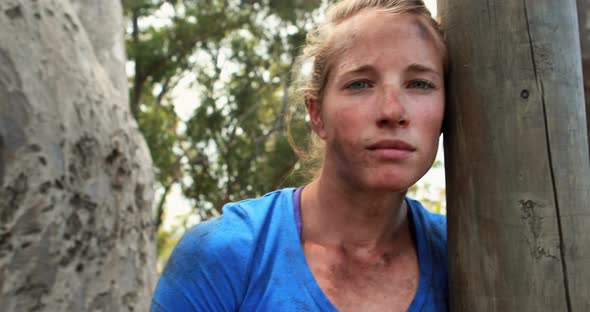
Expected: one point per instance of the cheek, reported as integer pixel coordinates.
(346, 123)
(432, 113)
(429, 121)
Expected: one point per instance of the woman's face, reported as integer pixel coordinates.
(383, 102)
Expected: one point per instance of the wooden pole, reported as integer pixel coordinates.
(516, 154)
(584, 26)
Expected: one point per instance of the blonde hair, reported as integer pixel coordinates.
(320, 50)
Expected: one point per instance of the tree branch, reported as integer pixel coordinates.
(138, 80)
(160, 207)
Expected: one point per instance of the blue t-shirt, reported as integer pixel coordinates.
(251, 259)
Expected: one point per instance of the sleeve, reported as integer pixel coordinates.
(206, 271)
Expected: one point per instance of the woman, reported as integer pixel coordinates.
(349, 240)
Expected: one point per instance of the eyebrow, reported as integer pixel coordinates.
(414, 68)
(421, 68)
(360, 69)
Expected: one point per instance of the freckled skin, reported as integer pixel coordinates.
(349, 123)
(356, 236)
(366, 280)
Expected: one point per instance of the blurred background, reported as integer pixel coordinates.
(209, 86)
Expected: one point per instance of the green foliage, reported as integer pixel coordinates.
(158, 124)
(166, 240)
(240, 115)
(235, 57)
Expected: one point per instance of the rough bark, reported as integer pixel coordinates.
(516, 156)
(76, 180)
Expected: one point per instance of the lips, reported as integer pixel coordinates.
(391, 149)
(392, 144)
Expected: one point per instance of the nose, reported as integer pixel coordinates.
(391, 112)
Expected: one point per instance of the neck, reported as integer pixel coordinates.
(335, 215)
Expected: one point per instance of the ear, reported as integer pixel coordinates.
(314, 110)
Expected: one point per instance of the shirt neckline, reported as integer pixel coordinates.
(308, 281)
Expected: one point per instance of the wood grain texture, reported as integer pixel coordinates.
(516, 156)
(583, 7)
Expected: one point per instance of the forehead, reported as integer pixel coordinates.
(372, 34)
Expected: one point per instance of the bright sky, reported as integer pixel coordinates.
(178, 206)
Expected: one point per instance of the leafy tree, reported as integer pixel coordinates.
(238, 56)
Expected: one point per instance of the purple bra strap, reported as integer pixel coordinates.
(297, 208)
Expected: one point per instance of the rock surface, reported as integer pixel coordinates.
(76, 178)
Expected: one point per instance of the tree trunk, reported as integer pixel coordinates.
(516, 157)
(76, 180)
(584, 26)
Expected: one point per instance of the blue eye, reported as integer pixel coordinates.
(359, 84)
(420, 84)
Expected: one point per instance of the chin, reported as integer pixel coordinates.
(381, 179)
(387, 183)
